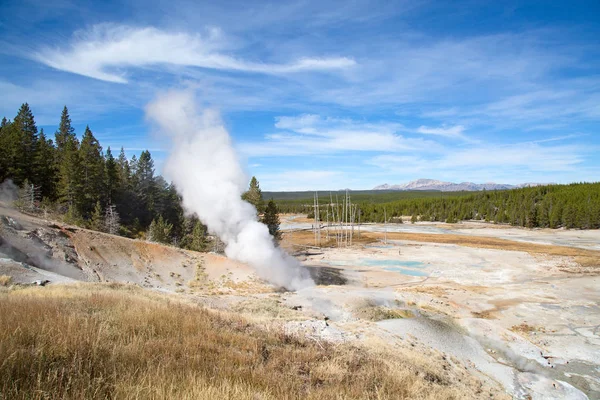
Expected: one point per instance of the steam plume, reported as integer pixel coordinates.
(204, 167)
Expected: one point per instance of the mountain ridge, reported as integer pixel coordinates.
(432, 184)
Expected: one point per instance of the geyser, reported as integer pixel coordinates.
(204, 166)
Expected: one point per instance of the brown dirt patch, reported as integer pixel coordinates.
(485, 314)
(299, 239)
(433, 290)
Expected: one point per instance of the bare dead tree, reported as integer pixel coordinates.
(29, 197)
(385, 225)
(112, 220)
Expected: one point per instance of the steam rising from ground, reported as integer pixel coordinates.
(205, 168)
(9, 192)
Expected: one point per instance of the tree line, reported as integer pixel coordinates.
(570, 206)
(86, 186)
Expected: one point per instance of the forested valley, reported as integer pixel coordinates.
(78, 182)
(570, 206)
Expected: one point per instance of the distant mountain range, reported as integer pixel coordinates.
(431, 184)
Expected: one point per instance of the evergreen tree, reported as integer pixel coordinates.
(167, 203)
(194, 237)
(532, 217)
(97, 218)
(69, 174)
(123, 167)
(45, 167)
(26, 136)
(65, 133)
(123, 196)
(144, 186)
(6, 152)
(569, 216)
(68, 163)
(254, 196)
(271, 219)
(160, 231)
(92, 172)
(112, 176)
(73, 217)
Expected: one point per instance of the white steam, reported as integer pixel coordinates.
(205, 168)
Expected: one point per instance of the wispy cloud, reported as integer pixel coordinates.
(451, 131)
(301, 179)
(313, 134)
(106, 50)
(510, 163)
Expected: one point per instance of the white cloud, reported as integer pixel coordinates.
(452, 131)
(295, 180)
(106, 50)
(312, 134)
(512, 163)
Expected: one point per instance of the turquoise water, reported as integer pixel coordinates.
(405, 271)
(400, 266)
(391, 263)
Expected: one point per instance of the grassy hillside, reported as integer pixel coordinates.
(120, 342)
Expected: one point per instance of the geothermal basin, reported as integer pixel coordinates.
(516, 315)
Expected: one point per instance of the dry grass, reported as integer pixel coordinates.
(300, 239)
(116, 341)
(380, 313)
(485, 314)
(267, 308)
(371, 311)
(5, 280)
(200, 277)
(526, 328)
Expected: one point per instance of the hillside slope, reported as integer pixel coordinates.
(33, 249)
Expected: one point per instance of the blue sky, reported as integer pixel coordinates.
(327, 95)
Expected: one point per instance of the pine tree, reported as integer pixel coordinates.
(569, 216)
(72, 216)
(45, 167)
(254, 196)
(123, 196)
(112, 176)
(160, 231)
(144, 187)
(97, 218)
(92, 172)
(69, 174)
(7, 154)
(68, 163)
(65, 132)
(27, 137)
(194, 237)
(531, 217)
(271, 219)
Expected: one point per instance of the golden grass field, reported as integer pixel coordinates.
(113, 341)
